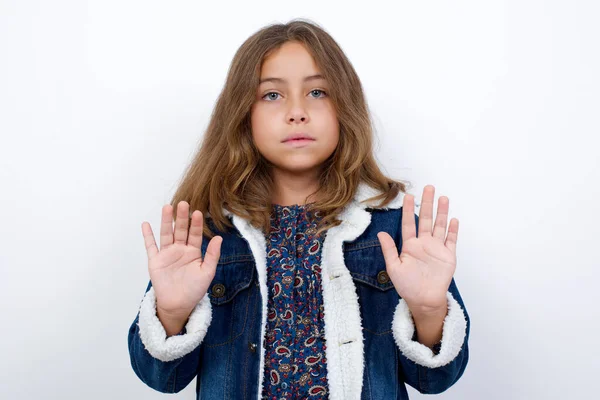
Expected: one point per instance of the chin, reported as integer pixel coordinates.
(298, 167)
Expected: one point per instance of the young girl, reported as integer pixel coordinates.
(318, 280)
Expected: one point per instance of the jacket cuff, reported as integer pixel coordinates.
(453, 335)
(153, 334)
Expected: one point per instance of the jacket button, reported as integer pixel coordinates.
(252, 347)
(383, 277)
(218, 290)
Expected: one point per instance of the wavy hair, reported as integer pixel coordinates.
(228, 171)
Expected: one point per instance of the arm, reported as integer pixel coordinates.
(429, 371)
(434, 369)
(166, 364)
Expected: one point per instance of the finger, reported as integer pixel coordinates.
(213, 253)
(181, 222)
(452, 237)
(426, 214)
(166, 226)
(408, 217)
(441, 219)
(195, 238)
(151, 249)
(388, 247)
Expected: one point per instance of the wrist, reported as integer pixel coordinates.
(430, 311)
(172, 323)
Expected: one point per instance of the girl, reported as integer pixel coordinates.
(315, 283)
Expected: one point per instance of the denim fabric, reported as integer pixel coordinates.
(226, 363)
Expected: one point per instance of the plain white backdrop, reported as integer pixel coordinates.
(103, 103)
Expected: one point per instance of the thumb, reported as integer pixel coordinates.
(213, 253)
(388, 247)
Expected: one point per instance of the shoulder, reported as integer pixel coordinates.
(233, 244)
(365, 192)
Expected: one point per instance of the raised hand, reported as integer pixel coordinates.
(179, 276)
(423, 272)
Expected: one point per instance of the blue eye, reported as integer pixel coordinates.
(269, 94)
(271, 98)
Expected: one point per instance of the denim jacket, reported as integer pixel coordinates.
(370, 334)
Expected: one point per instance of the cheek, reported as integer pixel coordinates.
(328, 119)
(262, 128)
(326, 112)
(262, 116)
(258, 122)
(255, 117)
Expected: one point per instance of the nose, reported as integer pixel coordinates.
(301, 119)
(296, 118)
(297, 112)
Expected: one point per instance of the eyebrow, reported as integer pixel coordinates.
(281, 80)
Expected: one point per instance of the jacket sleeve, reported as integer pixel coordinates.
(432, 372)
(167, 364)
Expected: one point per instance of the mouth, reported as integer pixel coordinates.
(298, 142)
(298, 136)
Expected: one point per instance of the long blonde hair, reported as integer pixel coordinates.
(228, 171)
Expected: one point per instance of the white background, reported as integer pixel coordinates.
(495, 103)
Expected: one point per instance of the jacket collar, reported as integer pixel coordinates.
(343, 328)
(363, 192)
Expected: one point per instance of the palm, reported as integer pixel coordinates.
(179, 275)
(424, 269)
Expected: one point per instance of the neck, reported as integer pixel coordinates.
(291, 188)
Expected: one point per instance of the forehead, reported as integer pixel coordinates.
(291, 60)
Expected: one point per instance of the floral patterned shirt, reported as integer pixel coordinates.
(295, 363)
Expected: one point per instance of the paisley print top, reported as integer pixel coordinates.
(295, 363)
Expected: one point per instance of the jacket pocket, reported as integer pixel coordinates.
(229, 297)
(376, 293)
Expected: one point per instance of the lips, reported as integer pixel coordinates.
(298, 136)
(299, 140)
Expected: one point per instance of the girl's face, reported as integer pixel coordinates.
(292, 98)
